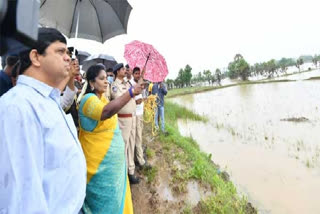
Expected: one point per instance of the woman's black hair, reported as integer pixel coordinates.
(91, 75)
(46, 36)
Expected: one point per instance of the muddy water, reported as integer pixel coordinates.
(273, 161)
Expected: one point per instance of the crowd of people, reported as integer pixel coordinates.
(69, 145)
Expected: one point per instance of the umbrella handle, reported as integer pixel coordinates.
(146, 61)
(144, 67)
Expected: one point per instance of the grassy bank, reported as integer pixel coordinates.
(191, 90)
(197, 165)
(314, 78)
(297, 72)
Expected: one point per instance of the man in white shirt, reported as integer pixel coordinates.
(43, 168)
(136, 133)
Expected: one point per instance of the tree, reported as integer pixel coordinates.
(299, 63)
(218, 76)
(170, 83)
(237, 57)
(271, 67)
(187, 75)
(284, 63)
(176, 83)
(213, 79)
(198, 78)
(184, 77)
(207, 75)
(239, 68)
(315, 60)
(179, 79)
(257, 69)
(306, 58)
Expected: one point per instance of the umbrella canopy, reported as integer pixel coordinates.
(105, 59)
(97, 20)
(82, 55)
(136, 53)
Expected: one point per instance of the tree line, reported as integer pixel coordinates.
(239, 68)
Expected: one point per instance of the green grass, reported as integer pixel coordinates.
(314, 78)
(174, 111)
(150, 153)
(188, 90)
(179, 180)
(225, 198)
(187, 209)
(150, 174)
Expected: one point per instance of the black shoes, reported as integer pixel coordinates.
(133, 179)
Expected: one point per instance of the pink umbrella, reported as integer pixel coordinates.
(139, 54)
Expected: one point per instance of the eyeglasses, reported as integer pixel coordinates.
(109, 75)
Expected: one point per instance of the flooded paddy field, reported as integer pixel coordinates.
(267, 137)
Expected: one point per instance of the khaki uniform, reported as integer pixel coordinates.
(108, 92)
(136, 134)
(125, 118)
(138, 126)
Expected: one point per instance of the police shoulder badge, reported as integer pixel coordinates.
(114, 89)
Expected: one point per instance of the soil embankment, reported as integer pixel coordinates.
(168, 186)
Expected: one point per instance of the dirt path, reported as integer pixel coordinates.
(160, 190)
(164, 189)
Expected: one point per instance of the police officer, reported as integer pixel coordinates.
(125, 117)
(110, 79)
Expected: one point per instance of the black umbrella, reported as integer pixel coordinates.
(89, 19)
(82, 55)
(105, 59)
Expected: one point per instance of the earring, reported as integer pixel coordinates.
(92, 88)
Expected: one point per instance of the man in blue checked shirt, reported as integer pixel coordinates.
(160, 90)
(43, 169)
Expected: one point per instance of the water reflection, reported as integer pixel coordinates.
(244, 91)
(276, 163)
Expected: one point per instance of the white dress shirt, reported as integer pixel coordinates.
(139, 107)
(43, 169)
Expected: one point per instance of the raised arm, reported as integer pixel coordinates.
(115, 105)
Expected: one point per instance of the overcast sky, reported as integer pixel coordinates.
(206, 34)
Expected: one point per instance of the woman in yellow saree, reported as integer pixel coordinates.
(108, 189)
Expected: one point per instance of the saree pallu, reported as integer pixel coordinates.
(108, 189)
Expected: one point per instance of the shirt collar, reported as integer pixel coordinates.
(119, 81)
(42, 88)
